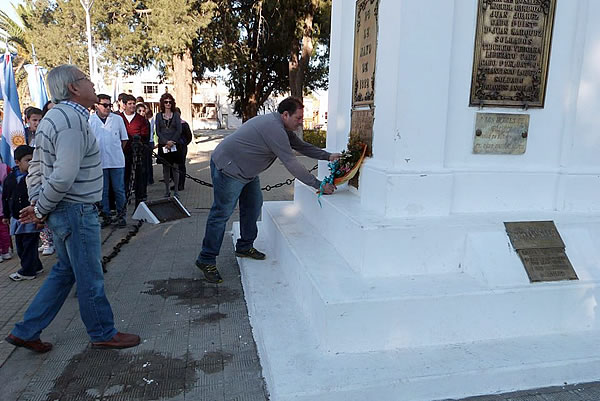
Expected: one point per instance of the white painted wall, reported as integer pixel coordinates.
(422, 162)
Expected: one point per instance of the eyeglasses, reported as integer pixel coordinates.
(107, 105)
(167, 102)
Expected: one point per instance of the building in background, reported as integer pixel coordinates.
(211, 107)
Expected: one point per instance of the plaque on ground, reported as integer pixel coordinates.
(365, 49)
(541, 249)
(512, 51)
(547, 264)
(501, 133)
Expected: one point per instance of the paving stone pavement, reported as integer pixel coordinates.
(197, 340)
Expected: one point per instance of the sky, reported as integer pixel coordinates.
(6, 6)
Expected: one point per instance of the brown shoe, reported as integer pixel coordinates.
(35, 345)
(120, 340)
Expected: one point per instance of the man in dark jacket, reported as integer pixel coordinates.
(15, 198)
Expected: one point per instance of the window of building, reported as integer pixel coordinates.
(150, 89)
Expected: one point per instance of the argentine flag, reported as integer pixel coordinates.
(13, 131)
(37, 85)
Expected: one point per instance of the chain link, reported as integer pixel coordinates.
(117, 248)
(267, 188)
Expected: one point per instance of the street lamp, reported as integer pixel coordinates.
(87, 6)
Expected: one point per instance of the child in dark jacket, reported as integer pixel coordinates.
(15, 198)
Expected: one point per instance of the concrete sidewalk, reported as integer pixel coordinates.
(197, 340)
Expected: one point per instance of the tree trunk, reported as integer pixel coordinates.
(182, 82)
(299, 57)
(250, 109)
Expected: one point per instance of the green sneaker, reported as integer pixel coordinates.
(251, 253)
(211, 274)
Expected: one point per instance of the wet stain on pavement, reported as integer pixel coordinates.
(109, 375)
(214, 362)
(210, 318)
(192, 292)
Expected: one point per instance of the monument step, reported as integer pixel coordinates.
(298, 366)
(372, 244)
(352, 313)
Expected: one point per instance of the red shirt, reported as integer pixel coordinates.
(138, 126)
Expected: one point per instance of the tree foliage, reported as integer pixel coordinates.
(267, 46)
(15, 33)
(254, 39)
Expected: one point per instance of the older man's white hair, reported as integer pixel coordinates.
(58, 80)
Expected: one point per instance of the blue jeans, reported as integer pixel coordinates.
(227, 191)
(77, 241)
(114, 177)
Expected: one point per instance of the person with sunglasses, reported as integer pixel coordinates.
(169, 129)
(111, 135)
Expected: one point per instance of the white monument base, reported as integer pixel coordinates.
(353, 306)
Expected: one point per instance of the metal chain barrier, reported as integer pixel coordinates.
(117, 248)
(137, 159)
(267, 188)
(137, 147)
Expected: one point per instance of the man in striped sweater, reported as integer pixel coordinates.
(65, 181)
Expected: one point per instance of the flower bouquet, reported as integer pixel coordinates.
(349, 162)
(346, 167)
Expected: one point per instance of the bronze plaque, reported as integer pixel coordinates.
(548, 264)
(501, 133)
(361, 127)
(533, 234)
(512, 51)
(541, 249)
(365, 48)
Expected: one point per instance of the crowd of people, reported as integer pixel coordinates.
(117, 127)
(74, 158)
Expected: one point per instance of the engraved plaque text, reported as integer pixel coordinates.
(533, 234)
(501, 133)
(549, 264)
(512, 50)
(541, 249)
(361, 127)
(365, 47)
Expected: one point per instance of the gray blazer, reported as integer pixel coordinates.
(170, 133)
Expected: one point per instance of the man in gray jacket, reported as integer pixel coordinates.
(64, 182)
(235, 165)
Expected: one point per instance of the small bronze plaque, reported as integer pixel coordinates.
(512, 51)
(533, 234)
(365, 50)
(549, 264)
(541, 250)
(500, 133)
(361, 127)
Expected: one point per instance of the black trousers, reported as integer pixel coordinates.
(27, 249)
(141, 179)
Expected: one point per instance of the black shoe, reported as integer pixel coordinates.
(180, 188)
(251, 253)
(105, 222)
(121, 223)
(211, 274)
